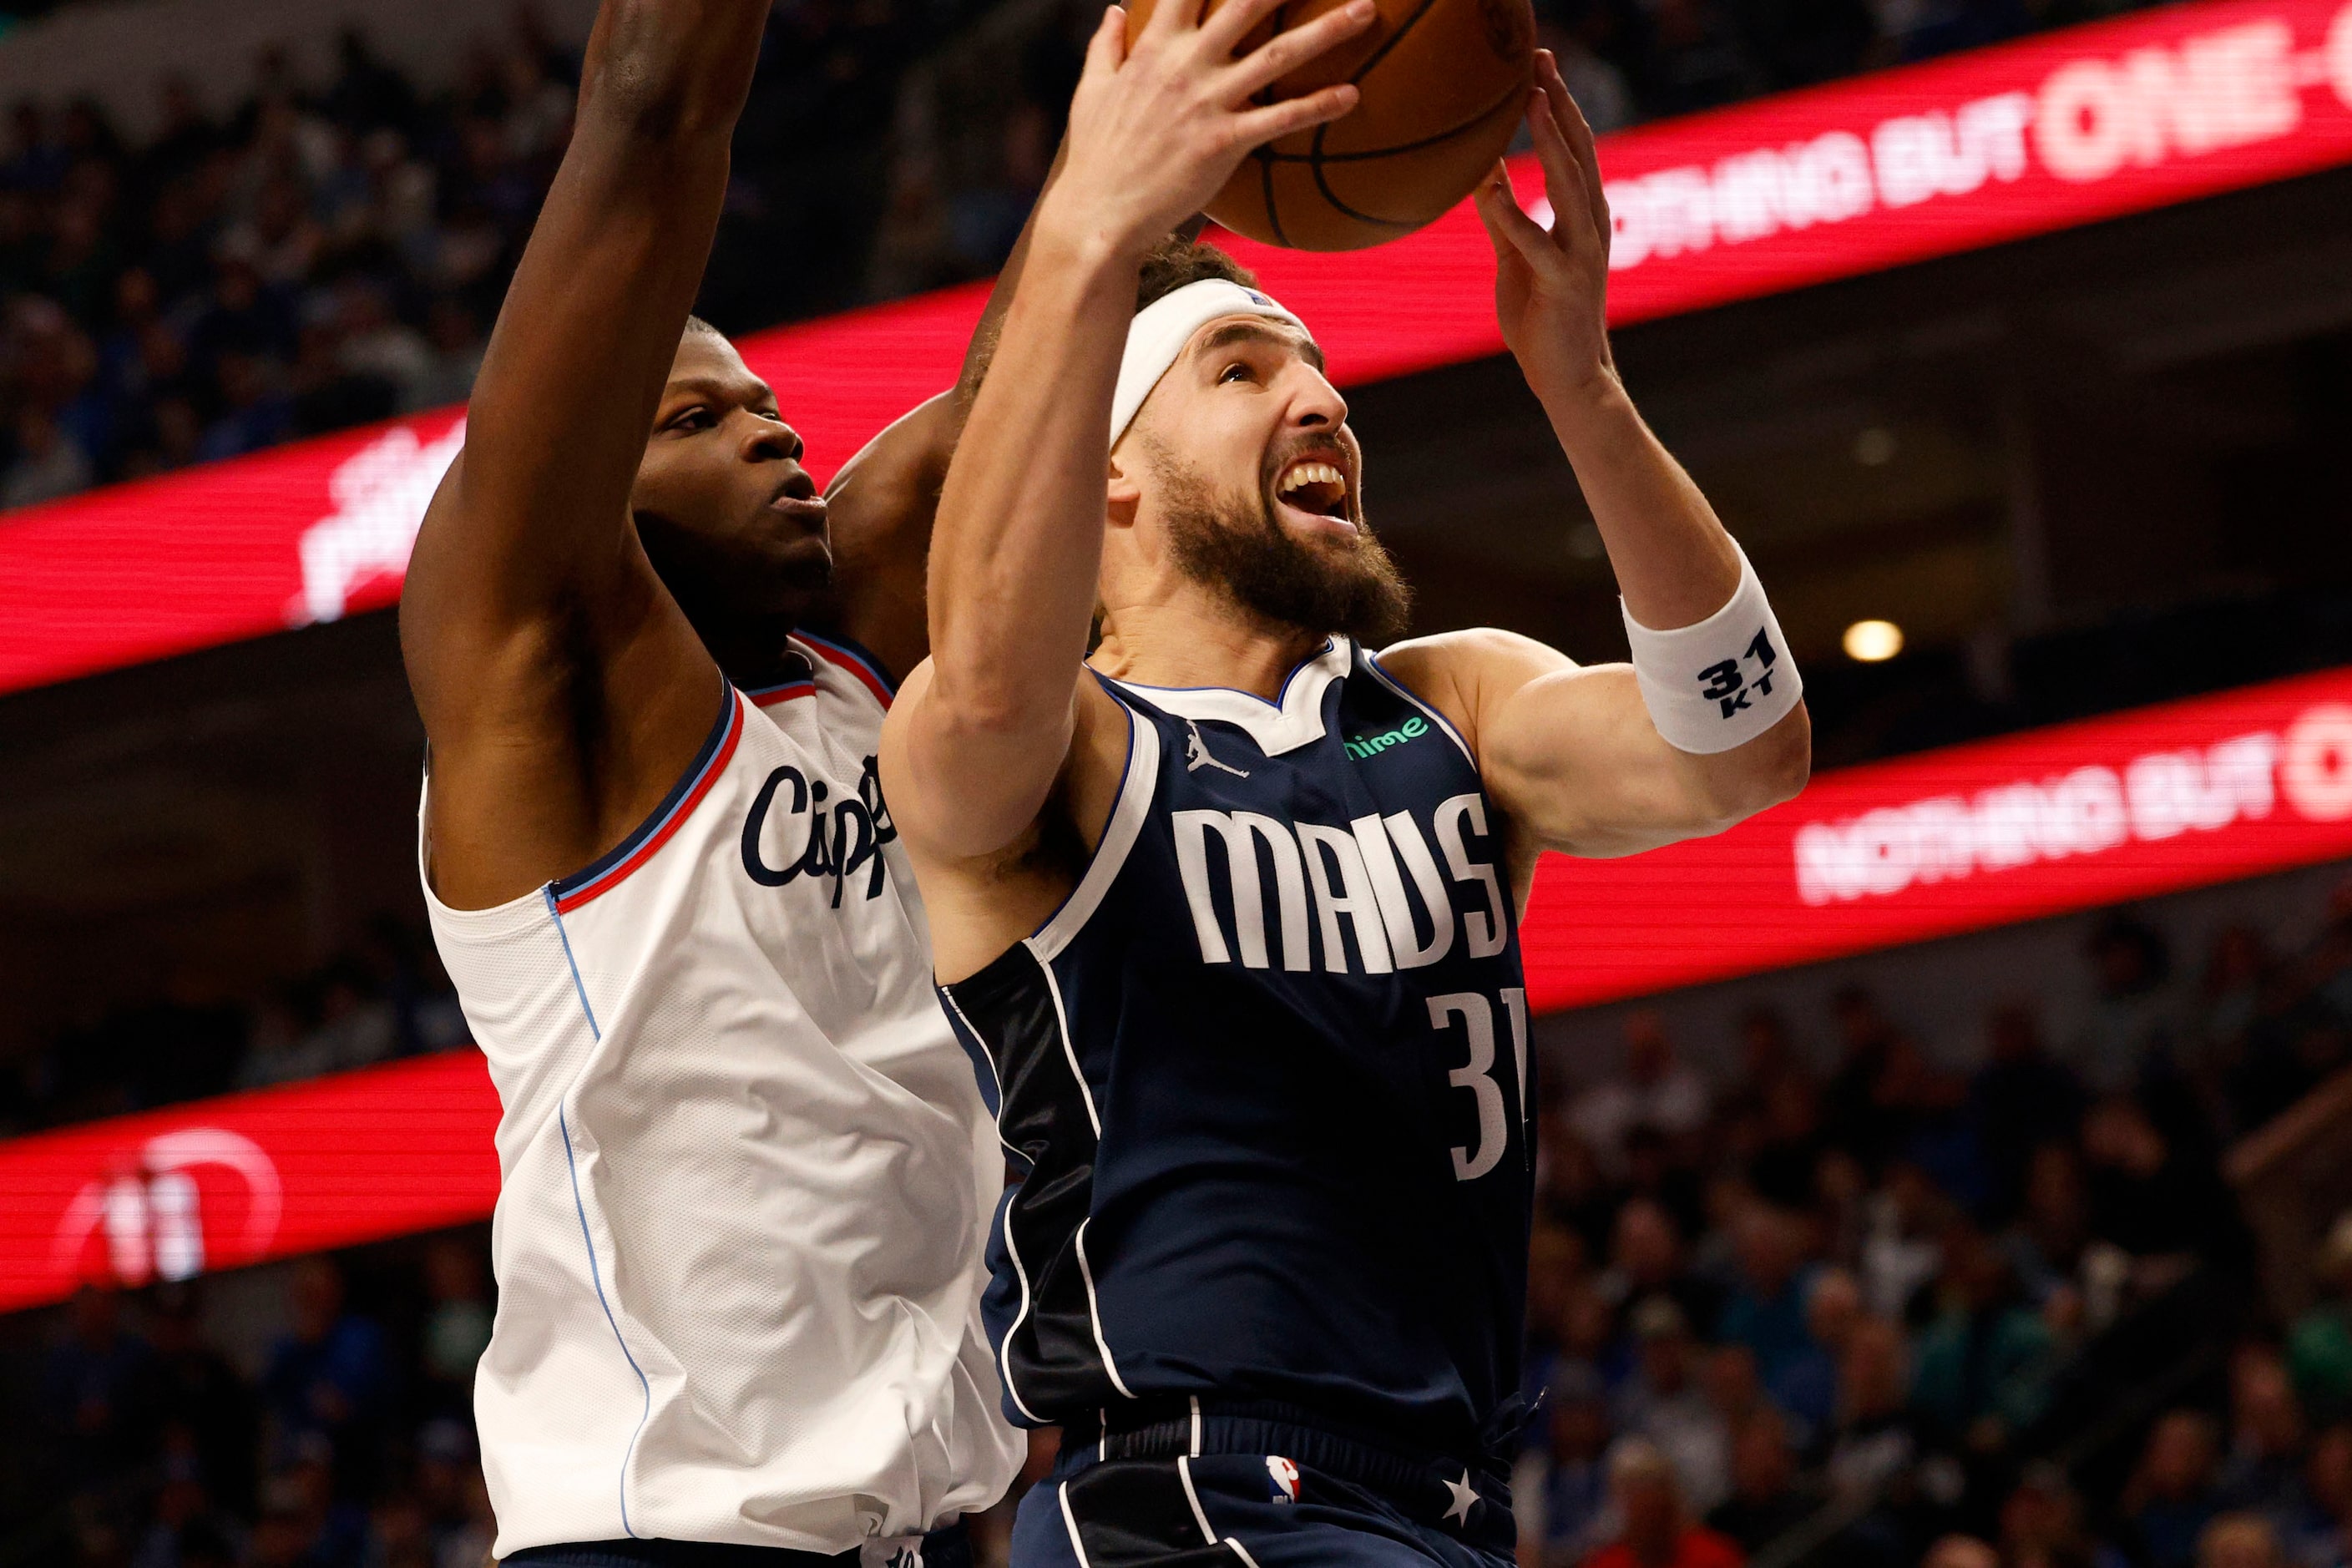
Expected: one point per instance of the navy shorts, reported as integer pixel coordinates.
(1246, 1491)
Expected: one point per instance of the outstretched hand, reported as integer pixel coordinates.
(1158, 129)
(1551, 286)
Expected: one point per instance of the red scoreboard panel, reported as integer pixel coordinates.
(2153, 801)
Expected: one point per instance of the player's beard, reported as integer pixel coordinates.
(1239, 547)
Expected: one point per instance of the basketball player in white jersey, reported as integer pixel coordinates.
(745, 1165)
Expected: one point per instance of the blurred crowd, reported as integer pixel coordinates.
(1837, 1294)
(384, 996)
(1629, 60)
(346, 1441)
(311, 262)
(1846, 1290)
(326, 255)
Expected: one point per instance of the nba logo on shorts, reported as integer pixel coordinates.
(1286, 1477)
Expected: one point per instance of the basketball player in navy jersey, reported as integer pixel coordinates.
(1227, 911)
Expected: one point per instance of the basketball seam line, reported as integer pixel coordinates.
(1315, 151)
(1471, 123)
(1267, 157)
(1315, 155)
(1390, 42)
(1324, 185)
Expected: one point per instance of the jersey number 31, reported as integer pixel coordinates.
(1470, 1012)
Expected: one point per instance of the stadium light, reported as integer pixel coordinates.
(1872, 642)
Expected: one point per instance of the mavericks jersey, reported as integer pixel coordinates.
(1267, 1071)
(744, 1167)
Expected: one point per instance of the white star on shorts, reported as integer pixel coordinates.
(1465, 1497)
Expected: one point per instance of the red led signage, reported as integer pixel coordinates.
(2066, 129)
(2060, 819)
(2066, 818)
(173, 1194)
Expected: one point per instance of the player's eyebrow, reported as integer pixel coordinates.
(1233, 333)
(747, 391)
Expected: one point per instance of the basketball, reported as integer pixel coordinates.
(1443, 83)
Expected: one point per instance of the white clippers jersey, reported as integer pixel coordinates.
(745, 1164)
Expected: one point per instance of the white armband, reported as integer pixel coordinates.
(1723, 682)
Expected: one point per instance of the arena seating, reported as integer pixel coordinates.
(324, 256)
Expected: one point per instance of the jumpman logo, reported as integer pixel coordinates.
(1196, 755)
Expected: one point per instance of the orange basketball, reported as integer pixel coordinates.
(1443, 83)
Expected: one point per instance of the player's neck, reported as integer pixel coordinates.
(1184, 644)
(752, 652)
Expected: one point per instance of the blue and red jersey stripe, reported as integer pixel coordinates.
(610, 868)
(783, 692)
(849, 657)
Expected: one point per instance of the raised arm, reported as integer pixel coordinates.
(884, 500)
(1588, 761)
(979, 737)
(562, 689)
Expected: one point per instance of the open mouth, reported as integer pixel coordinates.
(1316, 488)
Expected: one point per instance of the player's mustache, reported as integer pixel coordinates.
(1315, 448)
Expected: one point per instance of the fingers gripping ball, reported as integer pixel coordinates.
(1443, 83)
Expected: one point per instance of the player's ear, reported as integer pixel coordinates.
(1124, 491)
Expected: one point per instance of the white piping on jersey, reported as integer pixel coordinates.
(1004, 1355)
(1012, 1248)
(1200, 1514)
(1070, 1051)
(1094, 1309)
(1329, 644)
(1079, 1240)
(1294, 719)
(1125, 825)
(1196, 1425)
(1393, 684)
(1070, 1523)
(985, 1055)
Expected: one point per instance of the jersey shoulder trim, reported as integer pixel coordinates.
(1136, 790)
(613, 868)
(782, 693)
(1382, 674)
(861, 665)
(1293, 719)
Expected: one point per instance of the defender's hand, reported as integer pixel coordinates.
(1551, 287)
(1155, 132)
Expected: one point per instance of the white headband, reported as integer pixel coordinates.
(1161, 329)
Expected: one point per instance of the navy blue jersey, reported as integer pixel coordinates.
(1266, 1073)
